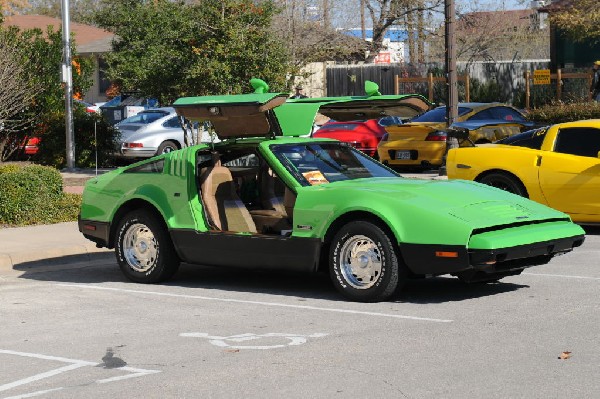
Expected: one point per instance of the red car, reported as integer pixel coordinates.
(362, 135)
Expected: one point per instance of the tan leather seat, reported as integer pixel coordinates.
(221, 202)
(269, 200)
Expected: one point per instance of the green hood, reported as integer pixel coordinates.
(443, 211)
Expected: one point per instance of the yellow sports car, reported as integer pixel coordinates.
(422, 141)
(558, 166)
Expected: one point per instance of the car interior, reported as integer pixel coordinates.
(241, 193)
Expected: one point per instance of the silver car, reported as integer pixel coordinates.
(152, 132)
(149, 133)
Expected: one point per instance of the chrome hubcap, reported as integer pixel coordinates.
(140, 248)
(361, 262)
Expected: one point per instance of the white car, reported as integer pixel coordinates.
(152, 132)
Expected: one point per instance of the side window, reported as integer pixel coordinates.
(482, 115)
(172, 123)
(506, 114)
(580, 141)
(150, 167)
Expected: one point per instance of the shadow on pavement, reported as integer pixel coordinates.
(592, 230)
(102, 268)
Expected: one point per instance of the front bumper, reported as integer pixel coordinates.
(429, 259)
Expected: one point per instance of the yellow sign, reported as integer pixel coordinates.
(541, 77)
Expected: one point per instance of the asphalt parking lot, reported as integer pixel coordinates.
(73, 330)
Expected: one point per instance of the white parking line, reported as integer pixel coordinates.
(276, 304)
(562, 276)
(34, 394)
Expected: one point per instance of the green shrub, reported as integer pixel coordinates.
(8, 168)
(52, 148)
(33, 194)
(560, 112)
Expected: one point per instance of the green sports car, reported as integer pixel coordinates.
(262, 199)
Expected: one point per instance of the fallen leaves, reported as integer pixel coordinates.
(565, 355)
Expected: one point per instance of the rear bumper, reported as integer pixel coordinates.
(98, 232)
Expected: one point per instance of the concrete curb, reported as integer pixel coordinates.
(46, 242)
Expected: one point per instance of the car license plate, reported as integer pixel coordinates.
(402, 154)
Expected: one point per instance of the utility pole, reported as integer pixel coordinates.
(67, 78)
(451, 78)
(362, 20)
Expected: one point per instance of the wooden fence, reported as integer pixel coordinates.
(430, 82)
(562, 87)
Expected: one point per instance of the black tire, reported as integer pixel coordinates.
(167, 146)
(144, 250)
(505, 182)
(372, 281)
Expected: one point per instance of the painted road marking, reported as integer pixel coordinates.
(73, 365)
(276, 304)
(562, 275)
(294, 339)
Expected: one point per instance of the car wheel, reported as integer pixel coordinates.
(504, 182)
(166, 146)
(363, 263)
(144, 249)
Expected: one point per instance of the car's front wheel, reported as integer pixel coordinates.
(144, 249)
(364, 264)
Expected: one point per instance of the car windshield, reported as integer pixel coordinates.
(438, 115)
(145, 117)
(321, 163)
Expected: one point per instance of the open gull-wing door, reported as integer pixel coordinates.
(296, 116)
(235, 116)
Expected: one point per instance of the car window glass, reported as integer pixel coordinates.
(530, 139)
(438, 115)
(482, 115)
(580, 141)
(506, 114)
(144, 117)
(150, 167)
(172, 122)
(313, 164)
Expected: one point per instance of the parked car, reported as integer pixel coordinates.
(362, 135)
(152, 132)
(422, 141)
(261, 199)
(30, 144)
(556, 165)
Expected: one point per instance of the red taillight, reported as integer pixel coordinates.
(436, 136)
(133, 145)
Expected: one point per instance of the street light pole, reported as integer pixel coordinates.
(67, 79)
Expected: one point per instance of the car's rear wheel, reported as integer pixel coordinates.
(144, 249)
(167, 146)
(504, 182)
(363, 263)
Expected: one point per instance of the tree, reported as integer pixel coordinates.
(171, 49)
(578, 19)
(387, 13)
(10, 6)
(16, 96)
(32, 88)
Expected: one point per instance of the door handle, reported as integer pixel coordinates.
(538, 161)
